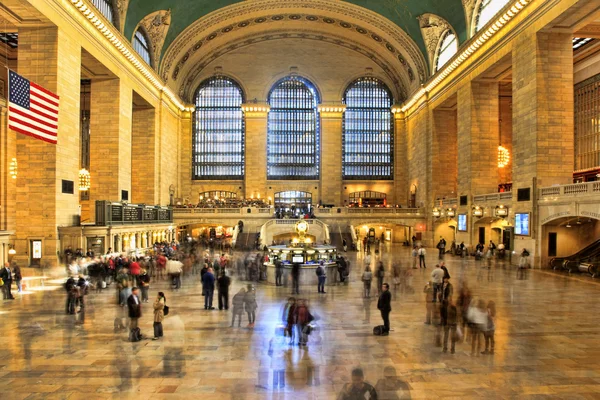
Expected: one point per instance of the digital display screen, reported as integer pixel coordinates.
(522, 224)
(462, 222)
(298, 259)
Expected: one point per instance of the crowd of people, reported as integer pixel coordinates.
(225, 202)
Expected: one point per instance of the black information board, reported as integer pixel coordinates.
(116, 213)
(150, 214)
(132, 214)
(112, 213)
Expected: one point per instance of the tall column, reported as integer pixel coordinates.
(185, 161)
(52, 59)
(478, 136)
(444, 153)
(144, 156)
(255, 177)
(400, 195)
(331, 153)
(110, 140)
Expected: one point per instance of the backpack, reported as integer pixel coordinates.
(319, 271)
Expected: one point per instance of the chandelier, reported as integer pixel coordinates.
(503, 156)
(84, 180)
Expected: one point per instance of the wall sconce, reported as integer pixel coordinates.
(84, 180)
(501, 211)
(450, 212)
(436, 212)
(503, 156)
(477, 211)
(13, 168)
(11, 250)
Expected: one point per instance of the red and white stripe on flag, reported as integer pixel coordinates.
(32, 110)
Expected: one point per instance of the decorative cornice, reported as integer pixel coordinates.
(333, 110)
(256, 109)
(432, 28)
(189, 38)
(104, 27)
(156, 26)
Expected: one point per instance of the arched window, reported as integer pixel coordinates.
(486, 11)
(141, 44)
(218, 137)
(368, 139)
(293, 130)
(447, 48)
(106, 8)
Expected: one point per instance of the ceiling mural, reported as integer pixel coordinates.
(402, 13)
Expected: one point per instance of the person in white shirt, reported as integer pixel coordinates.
(422, 254)
(478, 317)
(437, 277)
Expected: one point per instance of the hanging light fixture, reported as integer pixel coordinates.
(13, 168)
(11, 250)
(84, 180)
(503, 156)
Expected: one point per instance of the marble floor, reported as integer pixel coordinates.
(547, 343)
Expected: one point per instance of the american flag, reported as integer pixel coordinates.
(33, 110)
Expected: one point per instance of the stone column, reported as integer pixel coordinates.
(52, 59)
(331, 153)
(255, 177)
(110, 140)
(185, 161)
(444, 154)
(400, 195)
(144, 157)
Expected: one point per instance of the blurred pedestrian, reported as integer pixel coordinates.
(357, 389)
(238, 306)
(384, 305)
(208, 288)
(250, 305)
(367, 277)
(223, 284)
(449, 323)
(490, 328)
(321, 276)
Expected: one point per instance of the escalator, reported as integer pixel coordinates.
(246, 241)
(585, 260)
(337, 237)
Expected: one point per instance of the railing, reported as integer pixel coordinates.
(325, 212)
(574, 189)
(449, 202)
(230, 211)
(482, 198)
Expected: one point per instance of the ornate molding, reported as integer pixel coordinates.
(121, 8)
(469, 8)
(156, 26)
(176, 52)
(432, 28)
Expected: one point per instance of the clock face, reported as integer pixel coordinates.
(302, 226)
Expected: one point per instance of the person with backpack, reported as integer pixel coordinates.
(159, 315)
(321, 276)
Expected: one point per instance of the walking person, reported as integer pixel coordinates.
(7, 278)
(208, 288)
(278, 273)
(321, 276)
(367, 277)
(422, 252)
(437, 277)
(238, 306)
(159, 315)
(345, 245)
(380, 273)
(302, 318)
(478, 317)
(223, 284)
(449, 323)
(490, 329)
(250, 305)
(295, 278)
(134, 306)
(384, 305)
(144, 280)
(18, 277)
(415, 255)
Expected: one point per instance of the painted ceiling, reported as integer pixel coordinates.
(402, 12)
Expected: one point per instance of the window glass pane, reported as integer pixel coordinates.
(293, 130)
(487, 10)
(140, 45)
(105, 7)
(447, 49)
(218, 138)
(368, 139)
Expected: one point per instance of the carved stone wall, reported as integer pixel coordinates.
(432, 28)
(156, 26)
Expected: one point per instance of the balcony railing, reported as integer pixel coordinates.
(483, 198)
(575, 189)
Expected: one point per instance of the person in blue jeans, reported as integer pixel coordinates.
(208, 287)
(321, 275)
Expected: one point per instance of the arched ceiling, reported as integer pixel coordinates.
(402, 13)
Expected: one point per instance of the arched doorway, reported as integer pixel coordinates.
(292, 203)
(567, 236)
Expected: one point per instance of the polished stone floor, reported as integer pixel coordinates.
(547, 343)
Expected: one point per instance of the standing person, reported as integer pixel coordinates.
(479, 318)
(238, 306)
(321, 276)
(358, 389)
(415, 255)
(341, 267)
(208, 287)
(18, 277)
(135, 308)
(422, 252)
(250, 305)
(367, 277)
(345, 245)
(223, 284)
(295, 278)
(144, 280)
(449, 321)
(445, 269)
(414, 241)
(524, 260)
(492, 247)
(441, 246)
(384, 304)
(437, 277)
(463, 302)
(7, 278)
(278, 273)
(380, 272)
(70, 285)
(159, 315)
(490, 328)
(447, 290)
(429, 306)
(161, 264)
(134, 271)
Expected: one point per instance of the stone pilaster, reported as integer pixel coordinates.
(444, 154)
(400, 195)
(144, 156)
(331, 153)
(52, 59)
(255, 177)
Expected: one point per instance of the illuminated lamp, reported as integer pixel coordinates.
(503, 156)
(84, 180)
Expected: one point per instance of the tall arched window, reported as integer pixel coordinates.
(218, 137)
(486, 11)
(106, 8)
(293, 130)
(141, 45)
(368, 138)
(447, 48)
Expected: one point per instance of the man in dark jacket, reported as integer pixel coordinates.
(449, 322)
(278, 273)
(135, 308)
(223, 284)
(70, 285)
(321, 276)
(6, 275)
(295, 278)
(384, 304)
(208, 286)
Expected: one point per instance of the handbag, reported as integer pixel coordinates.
(166, 310)
(1, 282)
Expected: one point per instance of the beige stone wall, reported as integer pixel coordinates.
(144, 151)
(255, 177)
(400, 188)
(506, 137)
(168, 153)
(418, 141)
(331, 158)
(444, 154)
